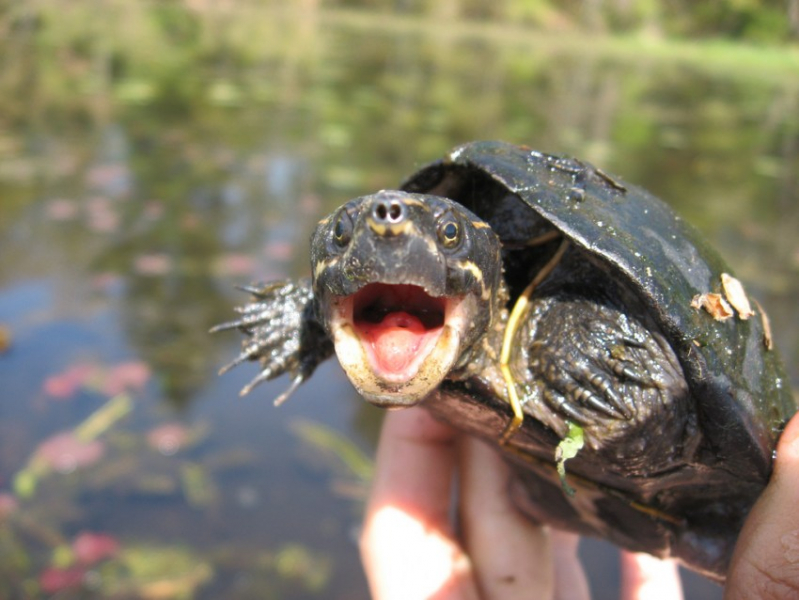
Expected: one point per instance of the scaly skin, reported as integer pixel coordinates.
(282, 333)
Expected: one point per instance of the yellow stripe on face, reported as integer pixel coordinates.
(472, 268)
(480, 225)
(391, 228)
(322, 265)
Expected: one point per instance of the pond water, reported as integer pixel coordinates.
(146, 170)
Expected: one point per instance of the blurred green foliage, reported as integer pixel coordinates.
(761, 21)
(192, 101)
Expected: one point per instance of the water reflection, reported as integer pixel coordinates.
(140, 182)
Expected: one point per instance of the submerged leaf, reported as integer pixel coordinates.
(298, 563)
(198, 488)
(329, 442)
(155, 572)
(67, 451)
(104, 417)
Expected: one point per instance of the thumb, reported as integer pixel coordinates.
(766, 559)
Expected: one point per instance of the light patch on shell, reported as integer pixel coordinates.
(768, 341)
(723, 307)
(736, 296)
(714, 304)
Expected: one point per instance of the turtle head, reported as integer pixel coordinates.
(406, 284)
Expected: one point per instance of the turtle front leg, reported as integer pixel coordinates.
(282, 333)
(516, 318)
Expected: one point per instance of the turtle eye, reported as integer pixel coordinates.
(342, 230)
(449, 232)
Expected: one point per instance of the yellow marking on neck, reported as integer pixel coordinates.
(517, 314)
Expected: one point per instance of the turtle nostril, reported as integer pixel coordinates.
(388, 212)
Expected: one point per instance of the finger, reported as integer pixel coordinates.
(407, 545)
(510, 555)
(646, 577)
(765, 563)
(570, 580)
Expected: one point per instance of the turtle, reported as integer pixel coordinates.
(560, 313)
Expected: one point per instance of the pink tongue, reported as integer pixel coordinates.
(395, 340)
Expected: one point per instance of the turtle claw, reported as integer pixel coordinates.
(609, 409)
(236, 361)
(281, 332)
(560, 403)
(224, 326)
(295, 383)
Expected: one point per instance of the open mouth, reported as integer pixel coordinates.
(397, 342)
(398, 326)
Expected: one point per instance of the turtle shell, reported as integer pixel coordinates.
(737, 382)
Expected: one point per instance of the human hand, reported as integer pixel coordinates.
(766, 559)
(410, 548)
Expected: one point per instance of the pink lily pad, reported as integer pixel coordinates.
(279, 250)
(53, 579)
(64, 385)
(168, 438)
(153, 264)
(61, 209)
(90, 548)
(129, 375)
(8, 504)
(236, 264)
(64, 453)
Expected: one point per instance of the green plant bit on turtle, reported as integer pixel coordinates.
(545, 306)
(568, 448)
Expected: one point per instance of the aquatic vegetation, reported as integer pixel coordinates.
(169, 438)
(340, 455)
(89, 547)
(154, 572)
(131, 375)
(67, 451)
(101, 456)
